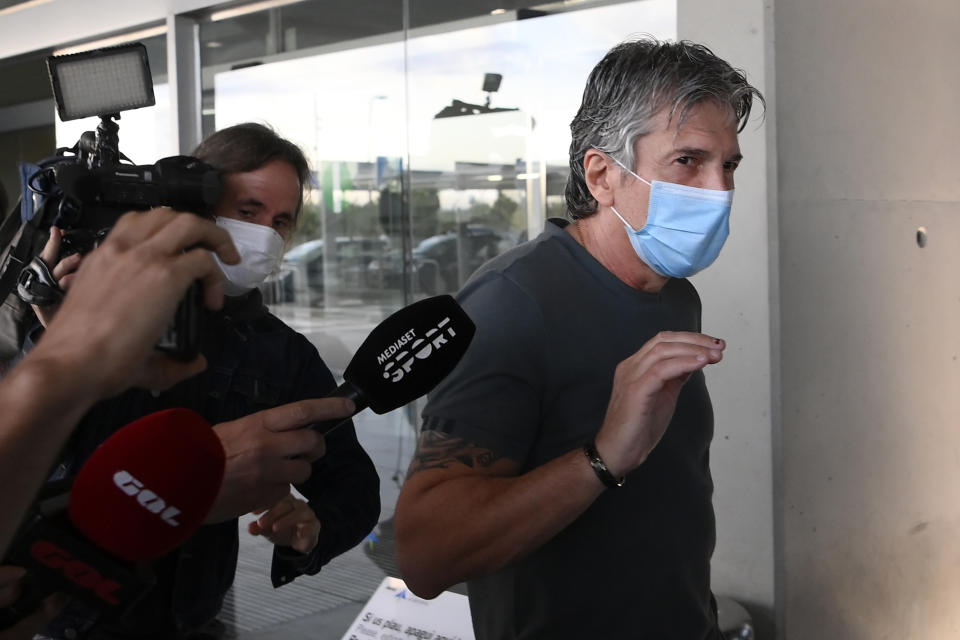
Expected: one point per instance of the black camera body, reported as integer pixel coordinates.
(85, 189)
(91, 200)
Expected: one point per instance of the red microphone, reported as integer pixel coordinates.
(149, 486)
(142, 493)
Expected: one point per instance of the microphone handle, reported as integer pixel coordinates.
(345, 390)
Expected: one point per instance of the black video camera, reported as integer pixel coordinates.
(90, 188)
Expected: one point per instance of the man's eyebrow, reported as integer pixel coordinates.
(691, 151)
(699, 153)
(251, 202)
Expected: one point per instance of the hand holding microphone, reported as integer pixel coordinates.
(403, 358)
(268, 451)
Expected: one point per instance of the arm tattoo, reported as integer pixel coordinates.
(438, 450)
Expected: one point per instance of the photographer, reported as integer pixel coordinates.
(255, 362)
(102, 341)
(44, 397)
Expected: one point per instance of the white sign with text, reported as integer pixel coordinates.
(394, 613)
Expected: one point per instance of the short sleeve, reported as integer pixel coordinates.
(492, 398)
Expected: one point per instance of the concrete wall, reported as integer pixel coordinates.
(867, 115)
(738, 294)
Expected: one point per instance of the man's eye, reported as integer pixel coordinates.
(685, 160)
(245, 213)
(731, 166)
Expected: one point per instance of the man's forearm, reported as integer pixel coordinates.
(470, 525)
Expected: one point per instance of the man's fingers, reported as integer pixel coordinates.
(187, 230)
(171, 232)
(66, 281)
(292, 519)
(280, 510)
(676, 368)
(200, 263)
(294, 471)
(65, 267)
(646, 361)
(160, 371)
(302, 444)
(681, 337)
(300, 414)
(51, 249)
(133, 228)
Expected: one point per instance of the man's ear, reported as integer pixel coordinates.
(599, 176)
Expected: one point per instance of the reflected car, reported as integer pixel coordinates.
(302, 279)
(442, 263)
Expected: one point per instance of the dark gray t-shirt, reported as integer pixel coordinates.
(552, 325)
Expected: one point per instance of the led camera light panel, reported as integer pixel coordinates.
(102, 81)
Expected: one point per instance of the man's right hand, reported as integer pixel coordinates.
(268, 451)
(124, 295)
(645, 390)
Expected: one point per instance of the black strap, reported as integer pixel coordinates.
(600, 467)
(10, 224)
(36, 285)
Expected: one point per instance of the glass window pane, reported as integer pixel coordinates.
(490, 107)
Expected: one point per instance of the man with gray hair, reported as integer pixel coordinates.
(562, 470)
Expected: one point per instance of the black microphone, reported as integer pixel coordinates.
(143, 492)
(404, 357)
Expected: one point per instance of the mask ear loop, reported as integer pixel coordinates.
(624, 167)
(626, 224)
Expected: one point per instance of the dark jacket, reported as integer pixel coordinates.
(255, 362)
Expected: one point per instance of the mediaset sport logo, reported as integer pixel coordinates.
(399, 358)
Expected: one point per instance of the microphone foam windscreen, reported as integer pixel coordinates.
(149, 486)
(406, 355)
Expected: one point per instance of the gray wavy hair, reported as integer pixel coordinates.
(634, 82)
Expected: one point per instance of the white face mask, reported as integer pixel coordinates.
(260, 248)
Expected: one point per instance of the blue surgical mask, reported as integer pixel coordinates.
(685, 229)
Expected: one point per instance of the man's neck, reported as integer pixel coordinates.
(604, 237)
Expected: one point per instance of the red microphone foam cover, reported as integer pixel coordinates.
(149, 486)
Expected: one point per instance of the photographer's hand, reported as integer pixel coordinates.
(125, 293)
(62, 271)
(102, 341)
